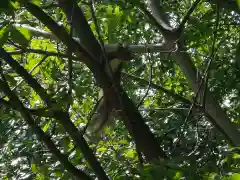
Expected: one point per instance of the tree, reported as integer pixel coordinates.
(169, 123)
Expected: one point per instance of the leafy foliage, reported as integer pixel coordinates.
(195, 148)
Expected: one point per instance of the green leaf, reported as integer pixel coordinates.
(121, 142)
(46, 126)
(3, 35)
(58, 173)
(109, 10)
(147, 103)
(25, 32)
(15, 4)
(19, 38)
(34, 168)
(238, 3)
(177, 176)
(236, 156)
(101, 149)
(235, 176)
(130, 153)
(36, 2)
(117, 11)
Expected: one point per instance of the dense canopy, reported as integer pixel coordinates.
(170, 108)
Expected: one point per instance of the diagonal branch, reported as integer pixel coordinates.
(220, 118)
(129, 113)
(60, 115)
(63, 35)
(159, 14)
(41, 135)
(87, 40)
(131, 116)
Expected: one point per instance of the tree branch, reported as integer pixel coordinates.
(41, 135)
(212, 107)
(60, 115)
(130, 115)
(63, 35)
